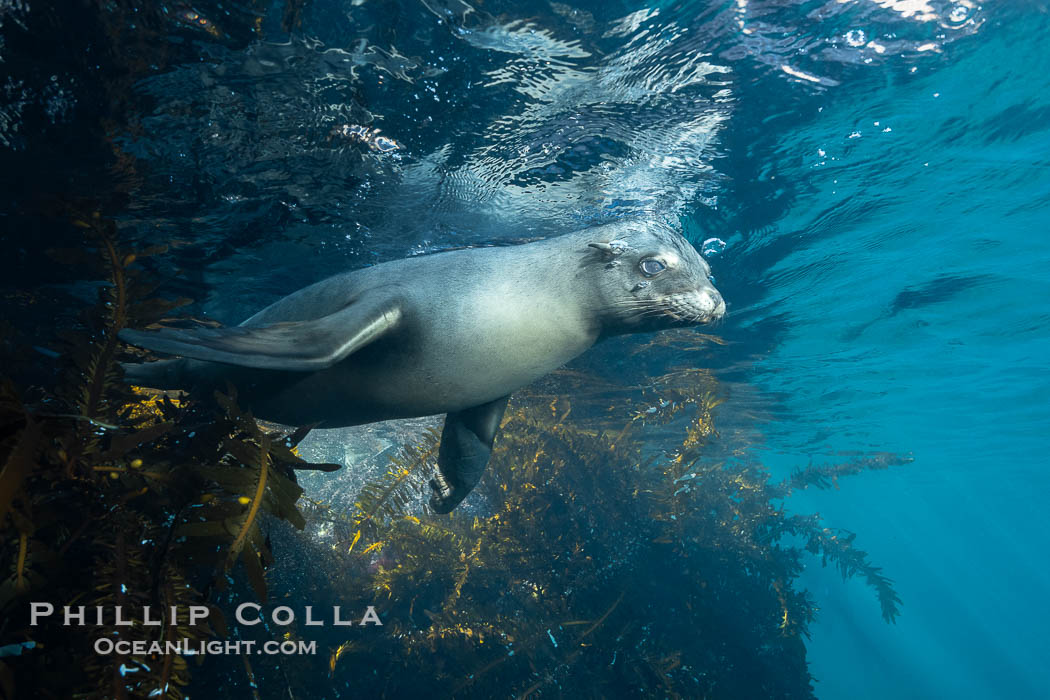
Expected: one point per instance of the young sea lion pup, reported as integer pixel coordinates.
(454, 332)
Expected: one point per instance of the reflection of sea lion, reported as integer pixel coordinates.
(453, 333)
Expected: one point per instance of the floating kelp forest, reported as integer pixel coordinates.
(608, 556)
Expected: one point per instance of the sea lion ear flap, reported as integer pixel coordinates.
(611, 249)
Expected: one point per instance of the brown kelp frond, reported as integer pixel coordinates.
(388, 497)
(604, 561)
(19, 463)
(24, 574)
(245, 483)
(93, 390)
(595, 401)
(112, 495)
(836, 547)
(100, 366)
(248, 527)
(827, 476)
(683, 342)
(123, 577)
(152, 407)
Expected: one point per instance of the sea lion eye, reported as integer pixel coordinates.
(652, 267)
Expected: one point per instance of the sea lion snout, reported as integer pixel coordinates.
(710, 304)
(720, 310)
(704, 305)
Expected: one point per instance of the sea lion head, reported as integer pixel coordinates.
(649, 277)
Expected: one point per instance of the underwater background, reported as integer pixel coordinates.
(870, 181)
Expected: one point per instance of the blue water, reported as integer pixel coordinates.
(878, 170)
(911, 300)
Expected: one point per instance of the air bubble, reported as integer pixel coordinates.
(712, 247)
(959, 13)
(856, 37)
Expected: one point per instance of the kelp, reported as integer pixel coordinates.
(111, 495)
(383, 499)
(604, 563)
(605, 553)
(123, 575)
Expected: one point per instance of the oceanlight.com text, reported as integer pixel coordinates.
(188, 647)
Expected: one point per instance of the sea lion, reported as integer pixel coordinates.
(454, 332)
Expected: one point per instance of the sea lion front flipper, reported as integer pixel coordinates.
(289, 345)
(466, 443)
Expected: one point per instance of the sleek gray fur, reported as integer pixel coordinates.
(455, 332)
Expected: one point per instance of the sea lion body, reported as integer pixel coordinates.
(479, 324)
(455, 332)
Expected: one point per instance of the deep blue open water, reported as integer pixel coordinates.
(875, 175)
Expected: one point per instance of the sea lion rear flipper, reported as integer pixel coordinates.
(466, 443)
(289, 345)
